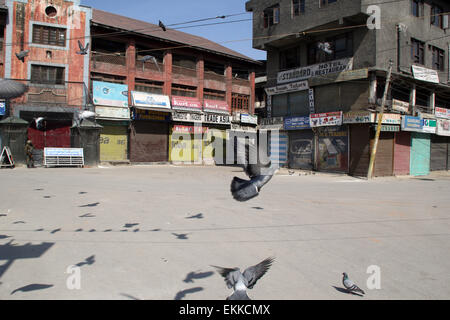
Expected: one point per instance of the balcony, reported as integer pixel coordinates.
(70, 94)
(149, 70)
(108, 63)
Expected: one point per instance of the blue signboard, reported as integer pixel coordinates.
(297, 123)
(2, 108)
(412, 124)
(110, 94)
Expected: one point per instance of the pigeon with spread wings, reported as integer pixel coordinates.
(260, 174)
(240, 282)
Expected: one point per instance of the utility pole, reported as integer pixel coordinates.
(373, 154)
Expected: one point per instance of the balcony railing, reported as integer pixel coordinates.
(69, 94)
(99, 57)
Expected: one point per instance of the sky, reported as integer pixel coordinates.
(236, 36)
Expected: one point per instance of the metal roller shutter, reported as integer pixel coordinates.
(359, 149)
(113, 143)
(439, 153)
(301, 150)
(420, 154)
(149, 142)
(384, 161)
(402, 153)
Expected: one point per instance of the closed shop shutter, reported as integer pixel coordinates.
(113, 143)
(384, 161)
(301, 150)
(359, 149)
(214, 146)
(402, 153)
(149, 142)
(420, 154)
(55, 135)
(333, 149)
(439, 153)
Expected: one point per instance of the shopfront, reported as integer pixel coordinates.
(440, 142)
(420, 145)
(149, 136)
(301, 143)
(278, 140)
(113, 114)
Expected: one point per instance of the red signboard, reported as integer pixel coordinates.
(217, 106)
(188, 103)
(189, 129)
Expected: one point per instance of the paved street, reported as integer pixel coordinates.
(152, 232)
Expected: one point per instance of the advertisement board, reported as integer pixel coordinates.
(110, 94)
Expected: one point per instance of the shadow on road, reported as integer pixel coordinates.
(342, 290)
(32, 287)
(182, 294)
(191, 276)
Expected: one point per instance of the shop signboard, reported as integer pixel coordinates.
(186, 103)
(217, 118)
(425, 74)
(216, 106)
(413, 124)
(275, 123)
(297, 123)
(150, 101)
(142, 114)
(312, 104)
(390, 118)
(110, 94)
(429, 126)
(316, 70)
(187, 117)
(358, 117)
(189, 129)
(400, 106)
(249, 119)
(326, 119)
(443, 127)
(442, 113)
(291, 87)
(112, 112)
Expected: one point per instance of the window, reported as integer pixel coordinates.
(271, 16)
(298, 7)
(210, 94)
(149, 86)
(325, 2)
(239, 102)
(436, 16)
(49, 36)
(334, 48)
(47, 75)
(289, 59)
(417, 8)
(438, 58)
(417, 51)
(183, 91)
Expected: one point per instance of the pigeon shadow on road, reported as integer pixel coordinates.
(342, 290)
(129, 296)
(88, 261)
(183, 236)
(191, 276)
(32, 287)
(197, 216)
(257, 208)
(91, 205)
(82, 192)
(182, 294)
(130, 225)
(2, 236)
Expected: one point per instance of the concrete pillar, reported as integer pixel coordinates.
(412, 99)
(131, 67)
(229, 84)
(200, 78)
(373, 88)
(167, 73)
(251, 108)
(432, 102)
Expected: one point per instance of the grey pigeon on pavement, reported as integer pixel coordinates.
(350, 285)
(240, 282)
(260, 174)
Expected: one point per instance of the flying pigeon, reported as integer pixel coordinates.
(22, 54)
(162, 25)
(86, 114)
(350, 285)
(240, 282)
(150, 58)
(325, 47)
(39, 123)
(244, 190)
(83, 50)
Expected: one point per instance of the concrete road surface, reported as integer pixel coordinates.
(152, 232)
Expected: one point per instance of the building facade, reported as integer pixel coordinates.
(326, 74)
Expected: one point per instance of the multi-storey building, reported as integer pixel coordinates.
(40, 50)
(175, 80)
(151, 89)
(327, 67)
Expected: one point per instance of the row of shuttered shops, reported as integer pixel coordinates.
(157, 128)
(407, 145)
